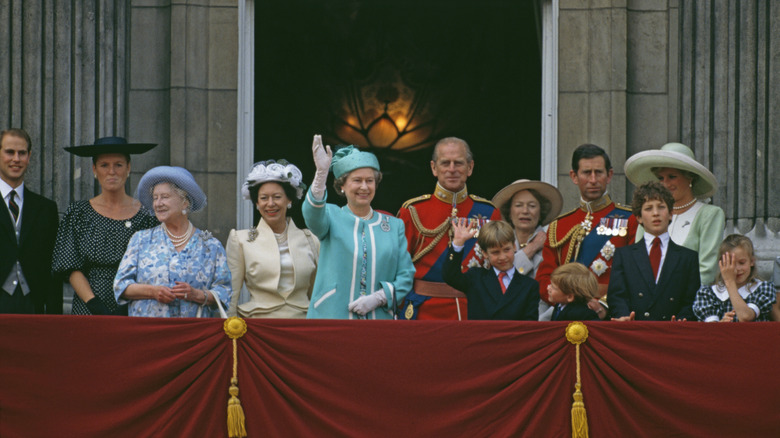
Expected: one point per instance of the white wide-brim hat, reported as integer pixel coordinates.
(548, 191)
(170, 174)
(639, 167)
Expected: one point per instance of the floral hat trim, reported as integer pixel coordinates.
(271, 170)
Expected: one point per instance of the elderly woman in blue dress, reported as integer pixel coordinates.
(174, 269)
(696, 224)
(365, 269)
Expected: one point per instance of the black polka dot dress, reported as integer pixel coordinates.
(94, 244)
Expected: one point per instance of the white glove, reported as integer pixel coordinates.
(367, 303)
(322, 157)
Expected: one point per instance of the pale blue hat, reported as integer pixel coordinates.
(350, 158)
(179, 176)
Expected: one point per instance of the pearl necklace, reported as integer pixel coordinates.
(684, 206)
(368, 216)
(178, 240)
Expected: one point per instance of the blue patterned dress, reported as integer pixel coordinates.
(152, 259)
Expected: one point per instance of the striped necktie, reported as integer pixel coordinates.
(13, 206)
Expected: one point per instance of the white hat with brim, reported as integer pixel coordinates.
(170, 174)
(639, 167)
(548, 191)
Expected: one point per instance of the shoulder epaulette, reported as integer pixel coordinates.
(415, 200)
(567, 213)
(481, 199)
(622, 207)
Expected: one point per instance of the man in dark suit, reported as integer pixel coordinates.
(498, 292)
(28, 229)
(654, 279)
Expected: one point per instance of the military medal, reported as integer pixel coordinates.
(409, 311)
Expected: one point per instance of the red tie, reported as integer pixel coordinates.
(501, 276)
(655, 256)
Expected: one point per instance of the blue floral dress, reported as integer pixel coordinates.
(152, 259)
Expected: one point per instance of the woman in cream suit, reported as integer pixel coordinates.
(276, 260)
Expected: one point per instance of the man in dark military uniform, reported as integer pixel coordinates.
(428, 231)
(590, 233)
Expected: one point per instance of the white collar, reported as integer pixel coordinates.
(649, 239)
(722, 293)
(5, 189)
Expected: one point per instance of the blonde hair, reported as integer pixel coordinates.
(575, 279)
(495, 233)
(731, 242)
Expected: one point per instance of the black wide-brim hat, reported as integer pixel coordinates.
(110, 145)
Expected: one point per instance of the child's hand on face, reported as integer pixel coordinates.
(728, 267)
(461, 231)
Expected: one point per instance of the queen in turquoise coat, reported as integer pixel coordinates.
(364, 265)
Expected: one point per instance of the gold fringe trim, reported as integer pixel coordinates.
(577, 333)
(235, 327)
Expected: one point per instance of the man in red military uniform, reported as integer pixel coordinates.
(588, 234)
(428, 222)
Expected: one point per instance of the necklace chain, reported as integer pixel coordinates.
(178, 240)
(684, 206)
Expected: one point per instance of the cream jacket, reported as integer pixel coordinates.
(257, 264)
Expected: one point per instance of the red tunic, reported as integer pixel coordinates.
(427, 219)
(595, 251)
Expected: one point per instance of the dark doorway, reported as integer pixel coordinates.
(462, 68)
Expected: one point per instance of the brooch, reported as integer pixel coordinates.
(385, 224)
(598, 267)
(252, 235)
(608, 250)
(128, 224)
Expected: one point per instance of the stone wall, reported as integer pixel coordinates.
(148, 70)
(183, 94)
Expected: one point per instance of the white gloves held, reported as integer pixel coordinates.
(367, 303)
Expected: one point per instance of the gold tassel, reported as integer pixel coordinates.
(235, 327)
(577, 333)
(579, 418)
(235, 413)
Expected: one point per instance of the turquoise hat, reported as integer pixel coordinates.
(350, 158)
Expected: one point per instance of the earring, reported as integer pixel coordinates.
(690, 184)
(95, 175)
(184, 212)
(289, 205)
(342, 191)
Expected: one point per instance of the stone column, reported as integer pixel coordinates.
(729, 80)
(592, 88)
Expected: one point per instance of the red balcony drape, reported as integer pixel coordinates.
(111, 376)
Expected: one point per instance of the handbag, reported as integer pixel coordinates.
(222, 313)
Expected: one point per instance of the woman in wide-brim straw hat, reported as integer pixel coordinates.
(695, 224)
(174, 269)
(93, 234)
(365, 269)
(528, 206)
(276, 260)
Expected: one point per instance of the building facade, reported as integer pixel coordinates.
(627, 75)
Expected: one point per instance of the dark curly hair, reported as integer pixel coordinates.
(651, 191)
